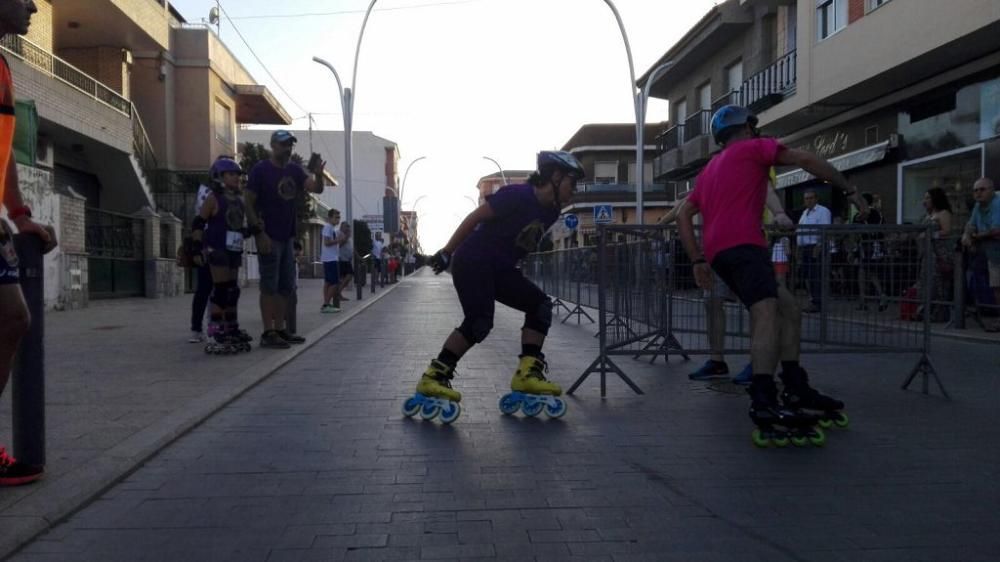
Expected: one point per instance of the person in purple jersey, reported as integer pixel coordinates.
(272, 188)
(483, 255)
(217, 241)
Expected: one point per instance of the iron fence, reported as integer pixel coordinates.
(115, 248)
(860, 289)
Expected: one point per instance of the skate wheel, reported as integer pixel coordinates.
(800, 440)
(780, 441)
(556, 411)
(509, 404)
(430, 411)
(825, 423)
(411, 406)
(817, 437)
(450, 412)
(841, 420)
(532, 409)
(759, 439)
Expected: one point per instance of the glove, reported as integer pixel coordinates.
(440, 261)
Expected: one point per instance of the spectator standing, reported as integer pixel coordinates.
(203, 278)
(870, 254)
(15, 17)
(346, 260)
(330, 256)
(377, 255)
(983, 233)
(272, 189)
(810, 248)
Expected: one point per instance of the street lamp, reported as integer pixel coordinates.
(475, 204)
(640, 140)
(499, 167)
(405, 175)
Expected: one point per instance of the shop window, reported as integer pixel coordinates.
(953, 171)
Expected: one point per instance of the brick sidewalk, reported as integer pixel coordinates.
(317, 463)
(122, 382)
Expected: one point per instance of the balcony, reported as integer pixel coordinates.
(138, 25)
(697, 125)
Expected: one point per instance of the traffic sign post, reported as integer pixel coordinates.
(603, 214)
(571, 221)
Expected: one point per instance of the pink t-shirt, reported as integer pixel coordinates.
(731, 192)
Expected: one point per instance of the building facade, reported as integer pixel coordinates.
(127, 106)
(607, 153)
(899, 99)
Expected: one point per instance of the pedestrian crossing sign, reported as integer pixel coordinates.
(603, 214)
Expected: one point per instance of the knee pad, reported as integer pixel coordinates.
(541, 318)
(475, 330)
(226, 295)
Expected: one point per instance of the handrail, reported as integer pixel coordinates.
(141, 145)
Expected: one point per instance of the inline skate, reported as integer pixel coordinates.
(434, 396)
(799, 395)
(777, 425)
(532, 392)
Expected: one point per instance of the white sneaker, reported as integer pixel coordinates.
(196, 337)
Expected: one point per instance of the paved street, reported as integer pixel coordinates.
(316, 463)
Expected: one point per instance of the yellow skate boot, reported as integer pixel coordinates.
(532, 392)
(434, 395)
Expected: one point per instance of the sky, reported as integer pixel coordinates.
(455, 80)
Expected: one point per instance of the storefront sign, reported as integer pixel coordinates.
(856, 159)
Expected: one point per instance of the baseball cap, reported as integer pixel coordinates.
(282, 135)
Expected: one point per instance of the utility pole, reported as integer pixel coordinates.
(309, 116)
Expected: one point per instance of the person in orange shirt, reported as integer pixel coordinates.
(15, 17)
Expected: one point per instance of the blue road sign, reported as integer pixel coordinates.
(571, 221)
(603, 214)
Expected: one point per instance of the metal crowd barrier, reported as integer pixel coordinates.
(866, 284)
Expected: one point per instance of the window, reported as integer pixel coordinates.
(605, 172)
(223, 123)
(874, 4)
(734, 76)
(681, 112)
(831, 17)
(705, 96)
(647, 173)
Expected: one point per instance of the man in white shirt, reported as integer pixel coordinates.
(808, 243)
(377, 254)
(330, 255)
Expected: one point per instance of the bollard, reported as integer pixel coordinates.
(28, 380)
(958, 308)
(357, 282)
(371, 275)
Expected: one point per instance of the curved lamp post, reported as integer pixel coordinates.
(405, 175)
(347, 99)
(499, 167)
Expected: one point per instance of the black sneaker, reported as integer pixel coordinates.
(272, 339)
(290, 338)
(13, 473)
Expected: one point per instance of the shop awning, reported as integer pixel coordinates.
(858, 158)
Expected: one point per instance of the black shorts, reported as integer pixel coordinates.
(748, 272)
(346, 268)
(225, 258)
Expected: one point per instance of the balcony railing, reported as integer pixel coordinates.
(670, 139)
(59, 69)
(778, 78)
(697, 125)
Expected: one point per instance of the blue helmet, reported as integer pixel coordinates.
(549, 160)
(222, 165)
(729, 117)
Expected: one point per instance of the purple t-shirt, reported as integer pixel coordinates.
(276, 189)
(519, 223)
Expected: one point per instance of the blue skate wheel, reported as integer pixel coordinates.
(509, 404)
(411, 406)
(430, 411)
(532, 409)
(557, 410)
(450, 412)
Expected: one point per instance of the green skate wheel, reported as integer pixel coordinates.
(509, 405)
(817, 437)
(430, 411)
(556, 411)
(780, 441)
(411, 406)
(800, 440)
(532, 409)
(759, 439)
(450, 412)
(825, 423)
(841, 420)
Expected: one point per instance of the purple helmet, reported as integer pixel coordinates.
(222, 165)
(549, 160)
